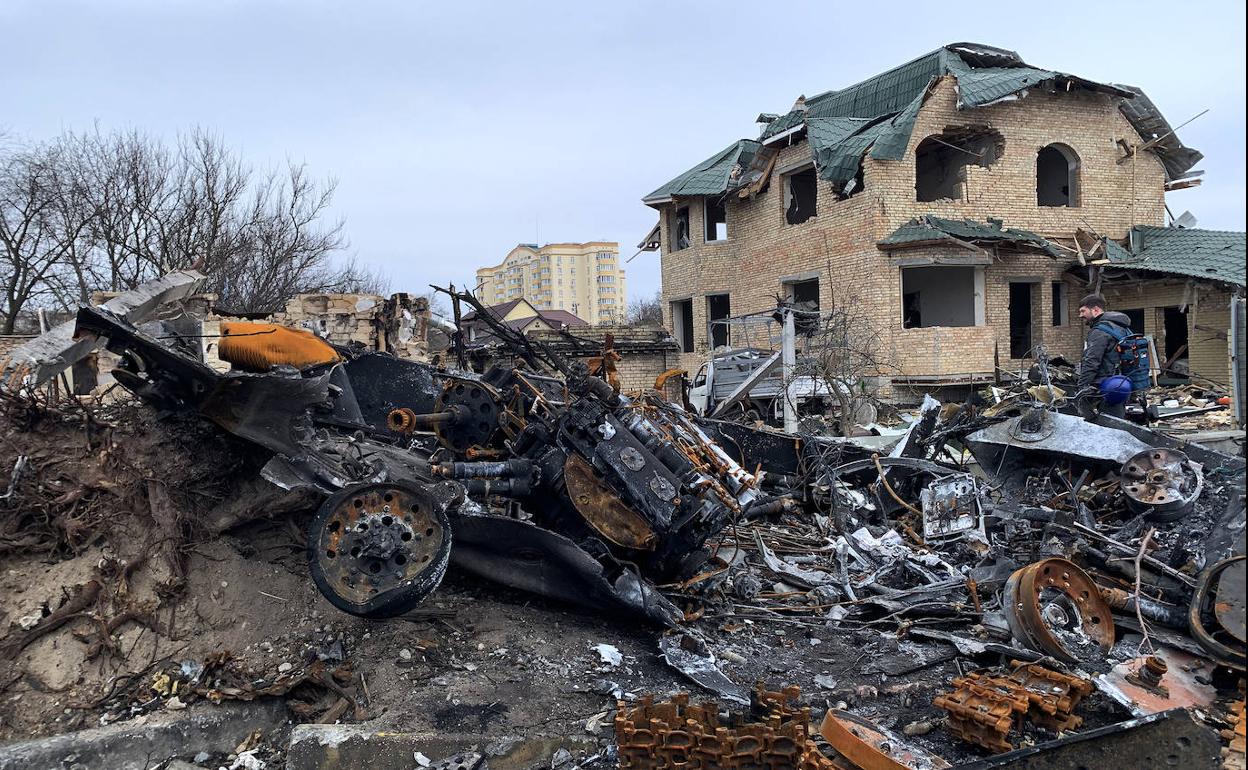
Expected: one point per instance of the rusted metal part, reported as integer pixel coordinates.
(1149, 674)
(604, 365)
(660, 382)
(870, 747)
(1054, 607)
(378, 549)
(984, 709)
(1167, 679)
(678, 734)
(1161, 483)
(401, 420)
(1216, 616)
(1233, 756)
(603, 509)
(1171, 739)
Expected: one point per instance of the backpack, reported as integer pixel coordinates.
(1134, 361)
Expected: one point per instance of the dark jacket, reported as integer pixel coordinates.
(1100, 351)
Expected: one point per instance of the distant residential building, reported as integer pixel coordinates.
(519, 315)
(585, 279)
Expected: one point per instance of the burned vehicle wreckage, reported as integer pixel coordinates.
(1062, 560)
(614, 491)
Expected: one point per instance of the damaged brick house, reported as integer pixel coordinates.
(962, 200)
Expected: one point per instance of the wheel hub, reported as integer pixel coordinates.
(379, 546)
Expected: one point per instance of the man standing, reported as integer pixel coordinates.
(1100, 354)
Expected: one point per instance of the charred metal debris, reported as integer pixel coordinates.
(1052, 558)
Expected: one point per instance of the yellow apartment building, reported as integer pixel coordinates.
(585, 279)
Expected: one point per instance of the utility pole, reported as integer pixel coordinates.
(788, 359)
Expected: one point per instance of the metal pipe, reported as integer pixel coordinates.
(484, 470)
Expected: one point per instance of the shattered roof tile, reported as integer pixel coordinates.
(932, 229)
(1214, 255)
(711, 176)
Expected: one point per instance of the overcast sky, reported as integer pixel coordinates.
(458, 129)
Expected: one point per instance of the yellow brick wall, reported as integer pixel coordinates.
(839, 243)
(1208, 320)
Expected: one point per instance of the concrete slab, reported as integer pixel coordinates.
(127, 746)
(343, 747)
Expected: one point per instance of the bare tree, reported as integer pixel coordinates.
(646, 310)
(35, 233)
(107, 211)
(844, 349)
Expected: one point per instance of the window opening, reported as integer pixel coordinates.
(1020, 320)
(716, 219)
(1174, 322)
(1058, 307)
(940, 161)
(681, 230)
(682, 324)
(1057, 176)
(805, 294)
(717, 309)
(937, 296)
(1137, 319)
(800, 196)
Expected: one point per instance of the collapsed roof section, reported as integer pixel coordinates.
(929, 230)
(878, 115)
(712, 176)
(1212, 255)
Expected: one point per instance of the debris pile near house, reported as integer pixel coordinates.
(1035, 580)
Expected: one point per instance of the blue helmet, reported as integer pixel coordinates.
(1116, 389)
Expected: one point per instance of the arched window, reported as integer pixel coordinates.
(1057, 176)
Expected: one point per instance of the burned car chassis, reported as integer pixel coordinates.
(560, 486)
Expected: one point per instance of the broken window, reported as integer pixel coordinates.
(805, 294)
(1020, 320)
(716, 219)
(680, 229)
(1059, 310)
(682, 324)
(800, 194)
(940, 161)
(854, 186)
(717, 310)
(938, 296)
(1057, 176)
(1174, 322)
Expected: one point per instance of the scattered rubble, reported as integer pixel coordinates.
(1007, 564)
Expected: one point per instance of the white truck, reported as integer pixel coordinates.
(731, 385)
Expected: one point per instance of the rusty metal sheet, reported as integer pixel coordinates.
(603, 509)
(874, 748)
(1179, 685)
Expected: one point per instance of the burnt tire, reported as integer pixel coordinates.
(377, 550)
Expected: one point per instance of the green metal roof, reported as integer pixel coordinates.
(932, 229)
(711, 176)
(1214, 255)
(985, 75)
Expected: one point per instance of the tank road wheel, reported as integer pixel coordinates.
(377, 550)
